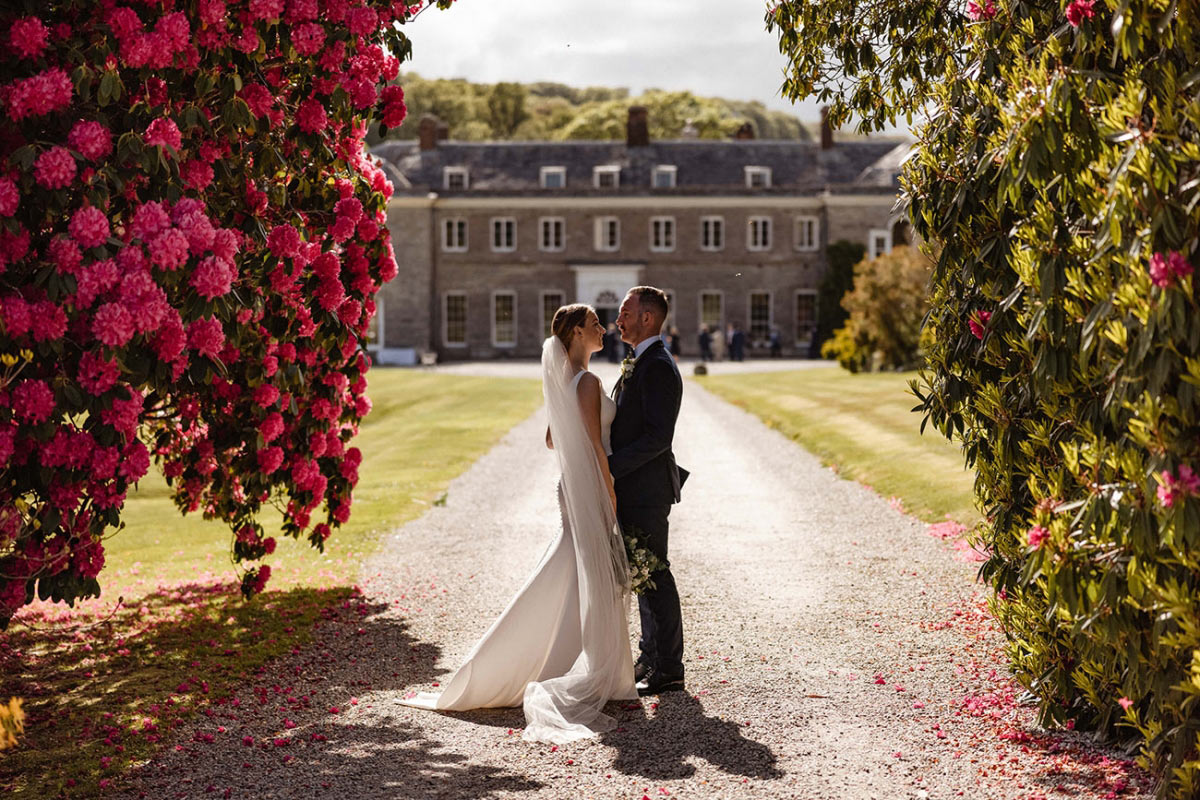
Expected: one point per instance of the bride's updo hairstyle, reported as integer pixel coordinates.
(567, 319)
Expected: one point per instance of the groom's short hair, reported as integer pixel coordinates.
(651, 299)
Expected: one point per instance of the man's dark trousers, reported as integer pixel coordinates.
(662, 620)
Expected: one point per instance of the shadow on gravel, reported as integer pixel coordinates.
(657, 747)
(301, 716)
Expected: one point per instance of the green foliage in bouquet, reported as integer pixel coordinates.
(642, 561)
(1058, 170)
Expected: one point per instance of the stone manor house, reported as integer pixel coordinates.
(492, 237)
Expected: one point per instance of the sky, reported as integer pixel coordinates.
(715, 48)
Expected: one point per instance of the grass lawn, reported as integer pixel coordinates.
(104, 682)
(864, 426)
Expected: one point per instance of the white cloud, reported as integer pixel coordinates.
(710, 47)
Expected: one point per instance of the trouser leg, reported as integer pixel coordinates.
(662, 620)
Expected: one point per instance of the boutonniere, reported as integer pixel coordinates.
(626, 367)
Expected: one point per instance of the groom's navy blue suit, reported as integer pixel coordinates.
(647, 481)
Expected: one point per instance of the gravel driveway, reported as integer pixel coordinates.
(834, 649)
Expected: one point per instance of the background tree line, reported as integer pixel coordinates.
(557, 112)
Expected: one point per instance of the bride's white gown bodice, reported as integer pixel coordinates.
(536, 653)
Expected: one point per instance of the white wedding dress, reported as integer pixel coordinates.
(561, 648)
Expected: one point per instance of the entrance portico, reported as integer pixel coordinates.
(604, 286)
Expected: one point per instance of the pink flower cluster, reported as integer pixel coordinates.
(1079, 10)
(1037, 536)
(1173, 488)
(978, 323)
(977, 11)
(1167, 268)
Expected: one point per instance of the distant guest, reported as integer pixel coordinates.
(718, 345)
(776, 344)
(705, 341)
(737, 343)
(614, 348)
(675, 343)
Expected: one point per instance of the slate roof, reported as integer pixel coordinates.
(704, 166)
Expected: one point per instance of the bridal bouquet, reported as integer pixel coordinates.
(642, 561)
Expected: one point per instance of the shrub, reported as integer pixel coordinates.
(191, 240)
(1060, 172)
(841, 256)
(884, 312)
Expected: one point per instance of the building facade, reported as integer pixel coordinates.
(491, 238)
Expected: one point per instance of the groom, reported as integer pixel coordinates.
(646, 478)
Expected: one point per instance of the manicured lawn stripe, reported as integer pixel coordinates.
(863, 425)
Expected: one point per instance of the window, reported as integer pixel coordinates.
(551, 302)
(606, 177)
(553, 237)
(663, 176)
(759, 235)
(454, 319)
(454, 235)
(504, 319)
(712, 233)
(806, 315)
(662, 234)
(758, 177)
(455, 178)
(879, 241)
(711, 310)
(807, 233)
(608, 234)
(760, 316)
(553, 177)
(504, 234)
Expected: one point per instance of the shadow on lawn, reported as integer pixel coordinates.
(659, 747)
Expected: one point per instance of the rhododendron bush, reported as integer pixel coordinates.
(1057, 168)
(191, 242)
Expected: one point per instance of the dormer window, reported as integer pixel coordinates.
(553, 177)
(455, 178)
(606, 177)
(663, 176)
(758, 177)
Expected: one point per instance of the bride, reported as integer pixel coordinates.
(561, 648)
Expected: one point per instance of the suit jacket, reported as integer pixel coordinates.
(642, 463)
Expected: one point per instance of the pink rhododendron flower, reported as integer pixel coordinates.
(1188, 479)
(977, 11)
(310, 116)
(1125, 703)
(47, 321)
(1037, 535)
(308, 38)
(265, 395)
(48, 91)
(15, 314)
(135, 461)
(213, 277)
(196, 174)
(206, 336)
(1079, 10)
(55, 168)
(97, 374)
(260, 583)
(169, 249)
(28, 37)
(10, 197)
(91, 139)
(89, 227)
(269, 460)
(94, 280)
(163, 131)
(149, 219)
(170, 340)
(32, 401)
(284, 241)
(394, 109)
(978, 323)
(113, 324)
(265, 10)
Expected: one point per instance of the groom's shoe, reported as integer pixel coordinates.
(640, 670)
(657, 683)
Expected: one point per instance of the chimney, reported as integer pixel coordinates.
(826, 129)
(745, 132)
(427, 132)
(637, 129)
